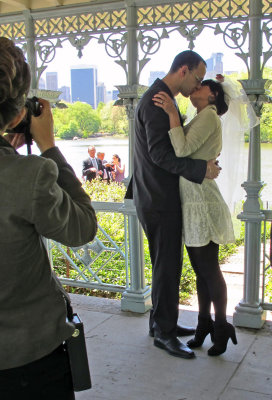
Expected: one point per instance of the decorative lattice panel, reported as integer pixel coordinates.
(93, 22)
(188, 11)
(185, 11)
(267, 7)
(15, 31)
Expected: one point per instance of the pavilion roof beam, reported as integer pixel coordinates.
(55, 2)
(27, 4)
(22, 4)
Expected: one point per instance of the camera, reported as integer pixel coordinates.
(111, 167)
(32, 108)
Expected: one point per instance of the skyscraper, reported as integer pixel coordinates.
(214, 65)
(108, 96)
(51, 80)
(84, 84)
(154, 75)
(65, 94)
(41, 83)
(101, 93)
(115, 93)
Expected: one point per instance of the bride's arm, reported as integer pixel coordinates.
(198, 132)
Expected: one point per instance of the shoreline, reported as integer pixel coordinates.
(95, 136)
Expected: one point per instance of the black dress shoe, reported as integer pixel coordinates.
(185, 330)
(181, 331)
(174, 347)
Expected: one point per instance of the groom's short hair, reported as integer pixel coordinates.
(187, 57)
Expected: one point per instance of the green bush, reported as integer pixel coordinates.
(102, 191)
(268, 285)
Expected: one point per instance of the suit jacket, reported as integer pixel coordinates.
(108, 171)
(87, 164)
(156, 167)
(39, 196)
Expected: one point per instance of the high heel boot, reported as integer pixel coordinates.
(222, 333)
(204, 327)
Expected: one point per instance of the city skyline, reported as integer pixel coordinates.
(93, 92)
(112, 74)
(87, 89)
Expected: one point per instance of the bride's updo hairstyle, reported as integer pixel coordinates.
(219, 96)
(14, 81)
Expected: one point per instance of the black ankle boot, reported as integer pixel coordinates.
(204, 327)
(222, 333)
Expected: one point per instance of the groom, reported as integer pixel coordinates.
(155, 188)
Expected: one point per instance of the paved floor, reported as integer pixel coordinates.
(125, 365)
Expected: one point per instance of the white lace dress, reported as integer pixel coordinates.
(206, 216)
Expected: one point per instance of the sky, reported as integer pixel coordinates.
(112, 74)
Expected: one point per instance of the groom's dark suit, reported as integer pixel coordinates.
(156, 196)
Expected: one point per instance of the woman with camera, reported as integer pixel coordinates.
(118, 171)
(40, 197)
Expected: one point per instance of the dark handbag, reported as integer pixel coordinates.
(77, 352)
(76, 347)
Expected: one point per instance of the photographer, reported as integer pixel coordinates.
(40, 196)
(117, 171)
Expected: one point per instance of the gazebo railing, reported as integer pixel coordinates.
(91, 265)
(105, 262)
(266, 287)
(112, 262)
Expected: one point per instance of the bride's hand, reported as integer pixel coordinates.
(164, 101)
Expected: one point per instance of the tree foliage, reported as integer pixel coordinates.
(80, 119)
(69, 130)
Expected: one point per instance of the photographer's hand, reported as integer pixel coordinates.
(42, 127)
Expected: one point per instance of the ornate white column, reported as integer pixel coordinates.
(249, 313)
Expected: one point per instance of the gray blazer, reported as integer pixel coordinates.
(40, 196)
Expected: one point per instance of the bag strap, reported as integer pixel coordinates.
(66, 298)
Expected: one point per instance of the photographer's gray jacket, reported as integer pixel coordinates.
(40, 196)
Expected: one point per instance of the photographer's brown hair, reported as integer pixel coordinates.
(14, 81)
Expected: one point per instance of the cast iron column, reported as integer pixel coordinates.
(249, 313)
(30, 47)
(137, 297)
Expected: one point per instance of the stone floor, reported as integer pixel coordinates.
(125, 365)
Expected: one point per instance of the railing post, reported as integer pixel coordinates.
(137, 297)
(249, 313)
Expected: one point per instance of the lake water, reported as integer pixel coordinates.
(76, 151)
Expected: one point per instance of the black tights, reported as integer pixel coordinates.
(211, 285)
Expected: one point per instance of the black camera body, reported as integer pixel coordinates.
(32, 108)
(110, 167)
